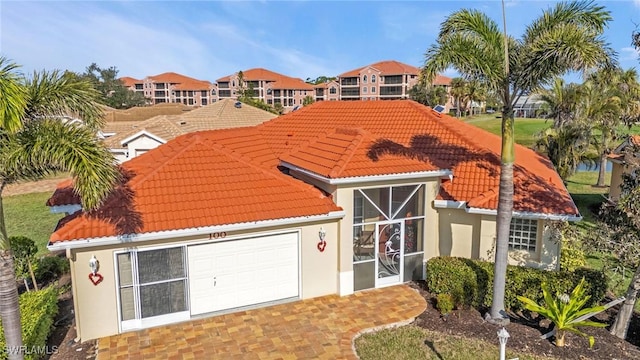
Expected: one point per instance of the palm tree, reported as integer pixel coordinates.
(610, 100)
(561, 101)
(35, 142)
(567, 147)
(566, 37)
(458, 91)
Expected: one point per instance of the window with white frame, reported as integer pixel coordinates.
(523, 234)
(152, 283)
(364, 79)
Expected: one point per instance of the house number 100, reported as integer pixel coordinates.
(217, 235)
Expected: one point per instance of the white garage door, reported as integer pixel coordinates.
(232, 274)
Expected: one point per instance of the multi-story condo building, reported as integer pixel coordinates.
(384, 80)
(268, 86)
(171, 87)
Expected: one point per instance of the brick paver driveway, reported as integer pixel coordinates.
(320, 328)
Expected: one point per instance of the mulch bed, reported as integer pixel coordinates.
(525, 333)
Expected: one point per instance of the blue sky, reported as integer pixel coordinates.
(211, 39)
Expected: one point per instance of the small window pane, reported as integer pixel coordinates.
(413, 267)
(127, 304)
(379, 197)
(413, 235)
(523, 234)
(159, 265)
(363, 277)
(363, 242)
(163, 298)
(124, 269)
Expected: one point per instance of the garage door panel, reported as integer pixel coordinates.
(246, 272)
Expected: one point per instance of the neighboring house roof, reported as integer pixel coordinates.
(232, 175)
(181, 82)
(442, 80)
(219, 115)
(388, 67)
(617, 154)
(278, 81)
(129, 81)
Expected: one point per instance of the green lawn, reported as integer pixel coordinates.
(411, 342)
(27, 215)
(525, 129)
(586, 196)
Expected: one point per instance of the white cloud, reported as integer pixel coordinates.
(629, 53)
(637, 2)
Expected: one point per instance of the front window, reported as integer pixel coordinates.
(332, 90)
(151, 283)
(523, 234)
(373, 89)
(373, 78)
(364, 79)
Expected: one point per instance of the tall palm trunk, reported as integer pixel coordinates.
(9, 307)
(505, 208)
(603, 158)
(621, 324)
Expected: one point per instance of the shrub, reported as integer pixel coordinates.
(37, 311)
(450, 275)
(51, 267)
(457, 279)
(565, 311)
(444, 303)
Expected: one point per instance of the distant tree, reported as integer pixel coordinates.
(278, 108)
(567, 147)
(611, 97)
(619, 235)
(428, 95)
(308, 100)
(458, 91)
(635, 40)
(561, 101)
(320, 80)
(112, 90)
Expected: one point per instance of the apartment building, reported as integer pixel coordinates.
(171, 87)
(271, 87)
(384, 80)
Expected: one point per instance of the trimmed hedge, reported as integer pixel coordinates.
(470, 282)
(37, 312)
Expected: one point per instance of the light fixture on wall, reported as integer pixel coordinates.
(322, 244)
(94, 264)
(94, 276)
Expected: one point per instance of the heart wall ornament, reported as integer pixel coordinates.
(95, 278)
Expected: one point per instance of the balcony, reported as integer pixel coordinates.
(350, 92)
(394, 79)
(390, 90)
(352, 81)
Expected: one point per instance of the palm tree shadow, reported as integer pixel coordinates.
(433, 348)
(119, 208)
(539, 191)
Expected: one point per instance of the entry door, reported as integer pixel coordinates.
(245, 272)
(389, 248)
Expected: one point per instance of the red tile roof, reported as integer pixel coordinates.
(195, 181)
(129, 81)
(388, 67)
(278, 81)
(174, 185)
(442, 80)
(182, 82)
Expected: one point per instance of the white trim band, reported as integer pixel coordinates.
(170, 234)
(448, 204)
(360, 179)
(140, 133)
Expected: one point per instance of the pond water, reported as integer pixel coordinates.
(585, 167)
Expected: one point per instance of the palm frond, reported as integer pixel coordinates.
(48, 145)
(55, 94)
(13, 100)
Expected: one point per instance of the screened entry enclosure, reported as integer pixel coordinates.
(388, 230)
